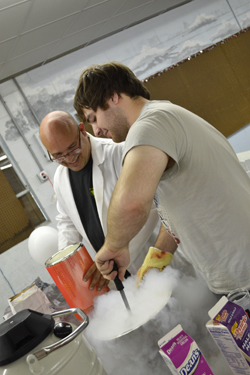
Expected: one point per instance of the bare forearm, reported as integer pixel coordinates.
(130, 206)
(165, 241)
(125, 219)
(133, 195)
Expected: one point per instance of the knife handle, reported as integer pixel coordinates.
(119, 285)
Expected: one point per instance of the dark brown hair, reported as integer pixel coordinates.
(98, 83)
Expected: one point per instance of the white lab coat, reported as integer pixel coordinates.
(107, 166)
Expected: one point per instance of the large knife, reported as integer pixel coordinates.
(119, 286)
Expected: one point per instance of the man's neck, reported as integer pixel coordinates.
(133, 107)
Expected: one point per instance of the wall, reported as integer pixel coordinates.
(214, 84)
(146, 48)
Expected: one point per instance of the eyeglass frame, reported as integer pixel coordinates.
(63, 157)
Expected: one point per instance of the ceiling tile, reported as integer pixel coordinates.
(80, 38)
(133, 4)
(41, 36)
(119, 22)
(158, 6)
(1, 68)
(9, 3)
(5, 48)
(47, 11)
(12, 20)
(21, 63)
(95, 15)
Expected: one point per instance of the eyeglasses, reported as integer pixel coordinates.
(73, 152)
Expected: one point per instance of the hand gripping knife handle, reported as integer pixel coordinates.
(119, 286)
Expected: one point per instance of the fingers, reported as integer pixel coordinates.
(90, 272)
(96, 278)
(106, 269)
(110, 276)
(121, 273)
(99, 282)
(105, 259)
(102, 283)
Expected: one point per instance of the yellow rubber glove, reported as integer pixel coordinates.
(154, 259)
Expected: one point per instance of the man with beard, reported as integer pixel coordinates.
(200, 189)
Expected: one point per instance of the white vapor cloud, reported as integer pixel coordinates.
(128, 343)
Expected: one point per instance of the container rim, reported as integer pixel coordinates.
(63, 254)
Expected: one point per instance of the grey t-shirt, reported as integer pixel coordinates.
(204, 199)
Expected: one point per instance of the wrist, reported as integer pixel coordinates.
(113, 244)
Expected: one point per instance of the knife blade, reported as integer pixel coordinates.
(119, 286)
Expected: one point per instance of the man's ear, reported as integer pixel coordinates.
(115, 98)
(82, 128)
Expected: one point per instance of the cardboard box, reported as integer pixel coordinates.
(30, 298)
(182, 354)
(230, 328)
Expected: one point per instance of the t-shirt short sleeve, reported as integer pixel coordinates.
(159, 128)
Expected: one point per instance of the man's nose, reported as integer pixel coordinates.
(97, 131)
(70, 158)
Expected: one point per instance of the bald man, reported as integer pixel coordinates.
(84, 181)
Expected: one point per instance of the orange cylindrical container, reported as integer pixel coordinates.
(67, 268)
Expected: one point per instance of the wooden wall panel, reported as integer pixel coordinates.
(215, 84)
(14, 222)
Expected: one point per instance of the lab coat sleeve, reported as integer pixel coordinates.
(67, 232)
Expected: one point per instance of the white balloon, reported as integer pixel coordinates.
(43, 243)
